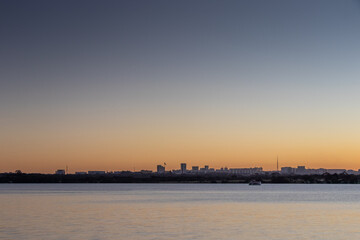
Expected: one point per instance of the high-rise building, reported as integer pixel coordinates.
(160, 169)
(183, 167)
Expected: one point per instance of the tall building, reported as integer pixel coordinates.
(183, 167)
(160, 169)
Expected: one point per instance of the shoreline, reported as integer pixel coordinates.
(185, 178)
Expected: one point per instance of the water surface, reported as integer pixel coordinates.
(179, 211)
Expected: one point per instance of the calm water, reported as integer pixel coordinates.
(179, 211)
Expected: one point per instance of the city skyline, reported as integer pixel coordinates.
(191, 168)
(124, 84)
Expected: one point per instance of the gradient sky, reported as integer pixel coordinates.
(118, 85)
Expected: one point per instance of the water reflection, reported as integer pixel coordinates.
(166, 211)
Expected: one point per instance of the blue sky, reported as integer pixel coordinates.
(116, 68)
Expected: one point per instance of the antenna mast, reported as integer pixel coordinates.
(277, 163)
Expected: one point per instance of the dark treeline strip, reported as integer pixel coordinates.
(175, 178)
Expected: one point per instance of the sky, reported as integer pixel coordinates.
(124, 85)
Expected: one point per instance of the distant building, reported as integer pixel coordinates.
(287, 170)
(335, 171)
(352, 172)
(246, 171)
(80, 173)
(300, 170)
(183, 167)
(222, 170)
(160, 169)
(60, 172)
(315, 171)
(195, 168)
(205, 168)
(96, 172)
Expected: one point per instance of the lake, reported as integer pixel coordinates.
(179, 211)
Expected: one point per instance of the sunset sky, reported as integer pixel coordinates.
(118, 85)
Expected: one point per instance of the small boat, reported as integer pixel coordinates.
(253, 182)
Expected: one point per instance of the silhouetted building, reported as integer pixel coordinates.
(60, 172)
(183, 167)
(337, 171)
(80, 173)
(205, 168)
(195, 168)
(160, 169)
(320, 171)
(300, 170)
(287, 170)
(96, 172)
(352, 172)
(246, 171)
(223, 170)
